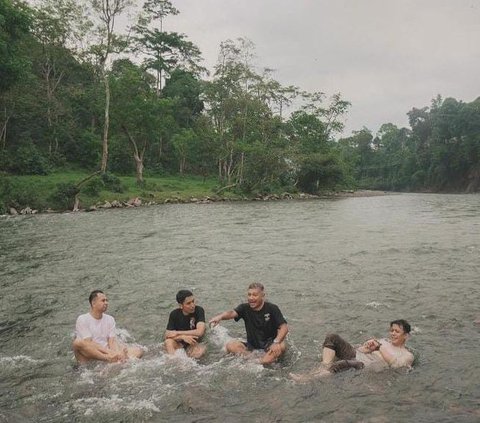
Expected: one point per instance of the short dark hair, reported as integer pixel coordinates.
(256, 285)
(403, 324)
(182, 294)
(93, 295)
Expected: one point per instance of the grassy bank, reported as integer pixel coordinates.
(48, 192)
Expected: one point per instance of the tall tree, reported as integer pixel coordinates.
(108, 42)
(59, 25)
(164, 50)
(15, 19)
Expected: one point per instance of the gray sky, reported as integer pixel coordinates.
(384, 56)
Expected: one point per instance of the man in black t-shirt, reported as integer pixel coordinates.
(186, 326)
(265, 325)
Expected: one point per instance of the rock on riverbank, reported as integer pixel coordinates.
(139, 202)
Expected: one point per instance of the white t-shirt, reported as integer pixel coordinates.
(97, 329)
(402, 357)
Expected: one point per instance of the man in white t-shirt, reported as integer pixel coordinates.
(95, 335)
(338, 355)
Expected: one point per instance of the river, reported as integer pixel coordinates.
(348, 265)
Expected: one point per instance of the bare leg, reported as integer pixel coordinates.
(328, 356)
(196, 351)
(237, 347)
(134, 351)
(171, 346)
(86, 350)
(271, 357)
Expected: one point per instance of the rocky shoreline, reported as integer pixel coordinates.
(139, 202)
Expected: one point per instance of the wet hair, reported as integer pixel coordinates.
(182, 294)
(256, 285)
(93, 295)
(403, 324)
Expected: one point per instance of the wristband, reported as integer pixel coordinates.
(276, 342)
(378, 347)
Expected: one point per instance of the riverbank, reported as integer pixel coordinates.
(20, 195)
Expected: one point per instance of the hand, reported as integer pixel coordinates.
(371, 345)
(275, 349)
(214, 321)
(117, 356)
(189, 339)
(170, 333)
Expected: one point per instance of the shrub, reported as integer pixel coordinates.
(318, 172)
(6, 189)
(112, 182)
(93, 187)
(64, 195)
(28, 160)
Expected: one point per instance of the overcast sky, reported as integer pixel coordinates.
(384, 56)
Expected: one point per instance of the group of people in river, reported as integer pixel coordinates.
(266, 330)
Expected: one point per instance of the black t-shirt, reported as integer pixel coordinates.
(178, 320)
(261, 325)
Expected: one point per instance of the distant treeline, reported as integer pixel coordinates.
(76, 93)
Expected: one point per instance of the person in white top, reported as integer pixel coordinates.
(338, 355)
(95, 335)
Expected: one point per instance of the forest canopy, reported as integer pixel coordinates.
(77, 92)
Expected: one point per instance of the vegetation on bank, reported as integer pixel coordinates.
(82, 111)
(57, 190)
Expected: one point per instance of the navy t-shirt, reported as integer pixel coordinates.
(261, 325)
(178, 320)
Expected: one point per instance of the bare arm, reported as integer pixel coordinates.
(198, 332)
(405, 360)
(369, 346)
(278, 346)
(281, 333)
(226, 315)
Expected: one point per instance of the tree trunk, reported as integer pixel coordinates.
(138, 168)
(3, 131)
(106, 124)
(137, 156)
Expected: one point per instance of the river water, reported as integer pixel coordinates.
(347, 265)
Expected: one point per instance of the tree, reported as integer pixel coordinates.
(108, 42)
(15, 20)
(59, 25)
(137, 111)
(165, 51)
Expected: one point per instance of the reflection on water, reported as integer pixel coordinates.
(349, 266)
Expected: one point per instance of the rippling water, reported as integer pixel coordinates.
(349, 266)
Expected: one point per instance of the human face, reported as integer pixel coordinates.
(256, 298)
(188, 305)
(398, 337)
(100, 303)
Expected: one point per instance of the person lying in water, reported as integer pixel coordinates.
(186, 326)
(264, 323)
(95, 335)
(338, 355)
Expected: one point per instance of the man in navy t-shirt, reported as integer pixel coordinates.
(186, 326)
(265, 325)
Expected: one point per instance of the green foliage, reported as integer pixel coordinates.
(112, 183)
(93, 187)
(83, 150)
(15, 22)
(6, 190)
(17, 195)
(28, 160)
(64, 195)
(317, 172)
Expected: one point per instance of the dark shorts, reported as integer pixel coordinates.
(250, 347)
(344, 352)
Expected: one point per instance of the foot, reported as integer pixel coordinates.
(314, 374)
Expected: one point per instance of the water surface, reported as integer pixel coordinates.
(349, 266)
